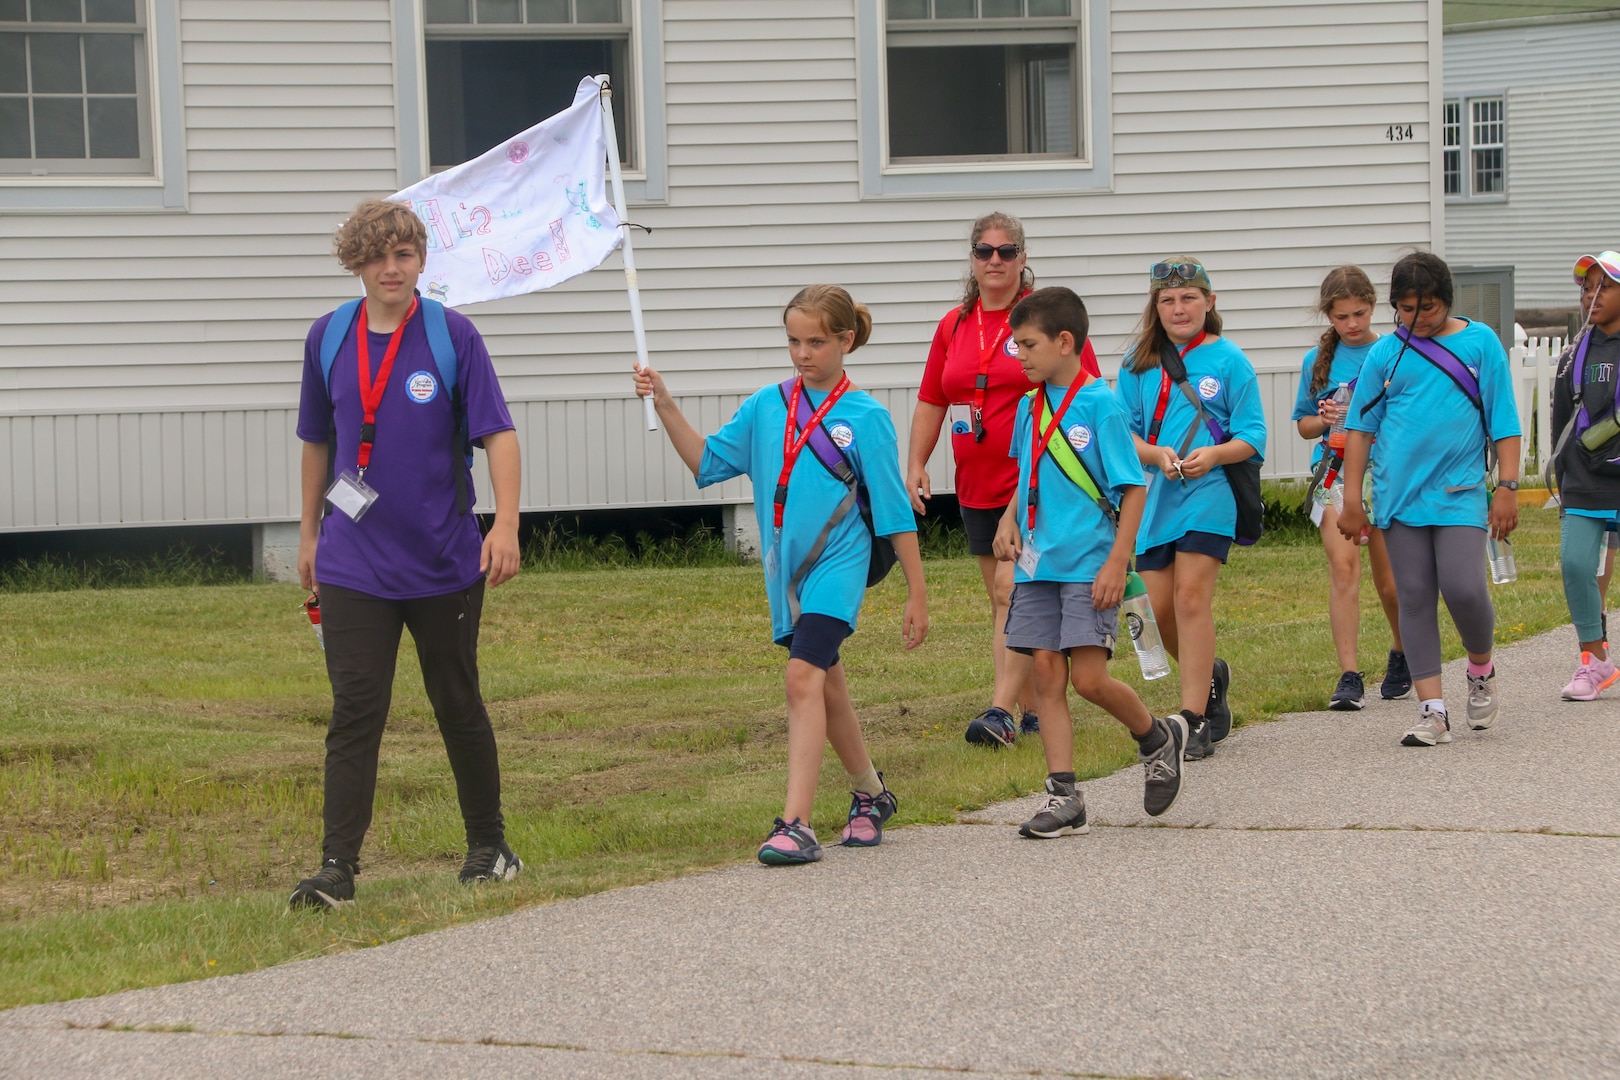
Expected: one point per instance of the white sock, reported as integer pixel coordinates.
(1432, 704)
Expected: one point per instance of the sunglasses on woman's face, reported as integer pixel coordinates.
(1185, 271)
(1008, 252)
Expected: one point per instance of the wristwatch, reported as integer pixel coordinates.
(1511, 485)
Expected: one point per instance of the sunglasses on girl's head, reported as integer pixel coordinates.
(1185, 271)
(1008, 252)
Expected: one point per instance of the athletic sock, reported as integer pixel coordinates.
(869, 781)
(1062, 778)
(1433, 704)
(1152, 739)
(1480, 669)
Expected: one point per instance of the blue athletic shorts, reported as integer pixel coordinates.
(1203, 543)
(816, 639)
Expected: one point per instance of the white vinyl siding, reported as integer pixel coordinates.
(290, 118)
(1562, 101)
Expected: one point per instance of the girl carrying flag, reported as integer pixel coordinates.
(814, 478)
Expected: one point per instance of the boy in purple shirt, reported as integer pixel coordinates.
(399, 545)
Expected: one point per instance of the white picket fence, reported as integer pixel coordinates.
(1532, 365)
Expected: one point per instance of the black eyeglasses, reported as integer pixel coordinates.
(1008, 252)
(1185, 271)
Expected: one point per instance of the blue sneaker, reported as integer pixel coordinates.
(993, 728)
(1218, 712)
(1029, 724)
(1397, 678)
(790, 843)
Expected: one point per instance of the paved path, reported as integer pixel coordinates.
(1322, 902)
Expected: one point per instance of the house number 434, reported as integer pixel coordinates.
(1398, 132)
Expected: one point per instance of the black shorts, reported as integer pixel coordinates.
(816, 639)
(980, 526)
(1203, 543)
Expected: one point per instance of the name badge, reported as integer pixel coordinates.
(1029, 557)
(961, 419)
(351, 494)
(773, 560)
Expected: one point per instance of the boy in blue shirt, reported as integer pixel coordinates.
(1071, 529)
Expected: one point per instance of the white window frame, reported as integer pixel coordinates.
(644, 184)
(161, 187)
(1451, 144)
(1466, 146)
(1016, 175)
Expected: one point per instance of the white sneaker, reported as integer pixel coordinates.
(1432, 727)
(1482, 700)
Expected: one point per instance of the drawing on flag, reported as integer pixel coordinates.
(527, 214)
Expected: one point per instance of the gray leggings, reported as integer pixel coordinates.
(1431, 561)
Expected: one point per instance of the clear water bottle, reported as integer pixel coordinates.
(1337, 436)
(1144, 629)
(312, 607)
(1500, 553)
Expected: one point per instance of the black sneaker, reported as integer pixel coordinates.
(1029, 724)
(1063, 813)
(1397, 678)
(495, 863)
(1350, 695)
(1200, 744)
(1218, 712)
(333, 884)
(993, 728)
(1163, 767)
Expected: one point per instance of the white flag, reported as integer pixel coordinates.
(526, 215)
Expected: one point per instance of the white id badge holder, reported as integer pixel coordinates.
(1316, 513)
(351, 494)
(961, 419)
(1029, 556)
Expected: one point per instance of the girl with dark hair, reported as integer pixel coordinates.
(1347, 300)
(1438, 396)
(974, 379)
(1186, 428)
(809, 445)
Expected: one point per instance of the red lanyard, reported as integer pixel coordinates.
(371, 391)
(986, 357)
(1164, 391)
(1042, 438)
(791, 444)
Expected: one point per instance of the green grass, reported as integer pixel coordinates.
(160, 750)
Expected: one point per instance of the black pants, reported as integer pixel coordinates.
(362, 642)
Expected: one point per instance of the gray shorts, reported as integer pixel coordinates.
(1056, 616)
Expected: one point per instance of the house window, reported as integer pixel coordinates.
(1474, 147)
(496, 67)
(1452, 147)
(74, 95)
(1486, 145)
(984, 80)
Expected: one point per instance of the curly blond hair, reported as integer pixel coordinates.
(376, 226)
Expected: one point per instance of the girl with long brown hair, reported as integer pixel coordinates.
(1347, 300)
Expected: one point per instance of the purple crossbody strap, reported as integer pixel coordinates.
(1446, 360)
(821, 444)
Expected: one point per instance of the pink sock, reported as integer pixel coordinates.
(1479, 669)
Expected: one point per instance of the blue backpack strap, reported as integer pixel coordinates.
(445, 359)
(337, 329)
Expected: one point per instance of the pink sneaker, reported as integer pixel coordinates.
(790, 843)
(1592, 678)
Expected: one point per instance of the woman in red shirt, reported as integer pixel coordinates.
(974, 380)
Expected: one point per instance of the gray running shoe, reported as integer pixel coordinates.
(1063, 814)
(1200, 742)
(1432, 727)
(1482, 700)
(1162, 768)
(1217, 711)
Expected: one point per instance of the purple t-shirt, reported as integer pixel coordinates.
(411, 543)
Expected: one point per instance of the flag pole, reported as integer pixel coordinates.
(630, 282)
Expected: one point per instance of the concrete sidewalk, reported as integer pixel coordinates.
(1322, 902)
